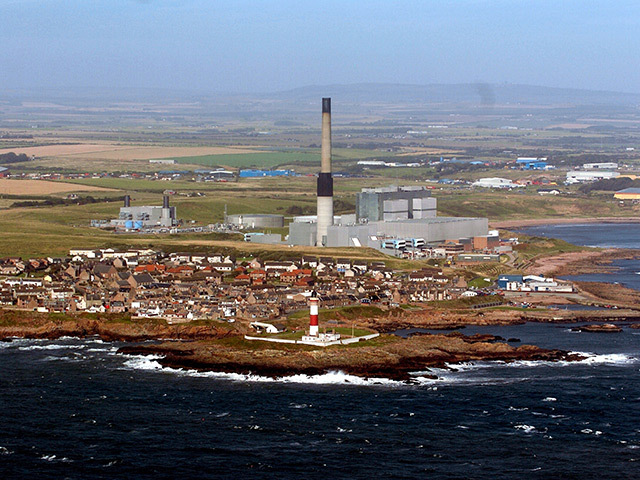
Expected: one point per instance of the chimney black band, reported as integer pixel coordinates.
(326, 105)
(325, 185)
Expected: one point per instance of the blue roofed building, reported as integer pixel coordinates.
(532, 163)
(254, 173)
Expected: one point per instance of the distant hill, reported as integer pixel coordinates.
(477, 94)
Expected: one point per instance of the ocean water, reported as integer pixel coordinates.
(606, 235)
(76, 409)
(609, 235)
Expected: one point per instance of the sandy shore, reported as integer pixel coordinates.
(532, 222)
(587, 261)
(566, 263)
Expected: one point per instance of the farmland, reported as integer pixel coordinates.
(114, 144)
(43, 187)
(259, 160)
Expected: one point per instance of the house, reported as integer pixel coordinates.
(104, 270)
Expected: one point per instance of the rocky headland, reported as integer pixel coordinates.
(388, 357)
(216, 346)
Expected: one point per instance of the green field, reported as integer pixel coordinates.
(53, 230)
(275, 159)
(259, 160)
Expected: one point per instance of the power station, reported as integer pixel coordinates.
(406, 213)
(145, 216)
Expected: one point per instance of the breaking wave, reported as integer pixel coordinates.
(453, 374)
(150, 363)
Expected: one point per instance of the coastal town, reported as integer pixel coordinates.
(182, 287)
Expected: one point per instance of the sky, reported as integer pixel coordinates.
(220, 46)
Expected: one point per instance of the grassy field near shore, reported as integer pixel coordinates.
(54, 229)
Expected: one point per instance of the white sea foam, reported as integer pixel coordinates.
(144, 362)
(525, 428)
(5, 451)
(419, 378)
(109, 349)
(589, 359)
(608, 359)
(150, 363)
(550, 399)
(54, 346)
(54, 458)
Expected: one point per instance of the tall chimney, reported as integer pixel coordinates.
(127, 200)
(313, 316)
(165, 201)
(325, 181)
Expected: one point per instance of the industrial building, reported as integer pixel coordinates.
(385, 217)
(495, 182)
(388, 219)
(589, 176)
(532, 163)
(252, 173)
(145, 216)
(255, 220)
(628, 194)
(600, 166)
(394, 203)
(433, 230)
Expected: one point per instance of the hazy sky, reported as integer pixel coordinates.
(270, 45)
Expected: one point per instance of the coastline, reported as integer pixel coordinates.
(394, 358)
(533, 222)
(585, 261)
(210, 348)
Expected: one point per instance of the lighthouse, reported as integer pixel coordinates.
(313, 316)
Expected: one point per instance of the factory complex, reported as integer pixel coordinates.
(390, 219)
(389, 224)
(145, 216)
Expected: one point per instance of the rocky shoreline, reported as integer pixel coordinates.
(214, 348)
(220, 347)
(394, 358)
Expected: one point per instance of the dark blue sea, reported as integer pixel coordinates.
(606, 235)
(75, 409)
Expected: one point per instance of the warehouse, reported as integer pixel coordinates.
(589, 176)
(600, 166)
(628, 194)
(495, 182)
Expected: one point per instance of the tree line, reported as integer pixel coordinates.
(13, 158)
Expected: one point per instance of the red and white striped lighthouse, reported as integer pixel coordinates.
(313, 316)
